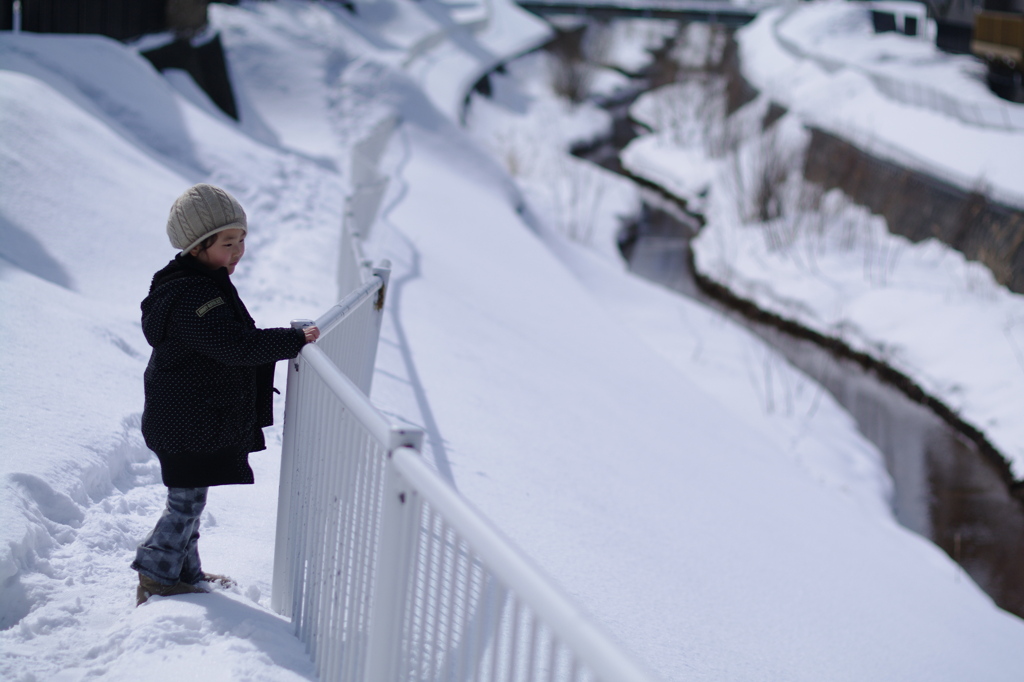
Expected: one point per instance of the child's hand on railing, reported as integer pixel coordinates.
(312, 333)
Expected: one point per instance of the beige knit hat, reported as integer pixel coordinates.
(203, 210)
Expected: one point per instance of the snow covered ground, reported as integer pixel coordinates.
(711, 507)
(922, 308)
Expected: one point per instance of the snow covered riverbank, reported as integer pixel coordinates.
(826, 263)
(618, 433)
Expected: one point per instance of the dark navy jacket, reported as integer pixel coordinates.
(209, 383)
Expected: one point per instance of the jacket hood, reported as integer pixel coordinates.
(164, 291)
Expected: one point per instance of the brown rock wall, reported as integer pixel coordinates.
(919, 206)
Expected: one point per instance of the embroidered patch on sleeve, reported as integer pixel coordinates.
(208, 306)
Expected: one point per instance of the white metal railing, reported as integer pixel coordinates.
(459, 602)
(349, 337)
(387, 573)
(367, 188)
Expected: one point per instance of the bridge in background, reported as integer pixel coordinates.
(710, 11)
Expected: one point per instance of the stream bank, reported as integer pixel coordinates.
(951, 485)
(919, 206)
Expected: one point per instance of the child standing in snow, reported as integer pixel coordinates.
(208, 385)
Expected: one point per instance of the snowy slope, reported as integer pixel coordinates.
(610, 428)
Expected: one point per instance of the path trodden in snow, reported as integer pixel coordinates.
(82, 593)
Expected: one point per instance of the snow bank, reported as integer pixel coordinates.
(898, 97)
(921, 308)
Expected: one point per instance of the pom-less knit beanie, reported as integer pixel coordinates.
(203, 210)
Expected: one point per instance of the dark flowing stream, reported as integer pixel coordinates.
(947, 488)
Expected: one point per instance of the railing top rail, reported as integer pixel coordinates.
(593, 647)
(346, 306)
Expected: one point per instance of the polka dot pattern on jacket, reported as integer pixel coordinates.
(209, 382)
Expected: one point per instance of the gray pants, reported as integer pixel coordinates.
(170, 553)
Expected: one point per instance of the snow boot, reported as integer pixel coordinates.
(148, 587)
(218, 580)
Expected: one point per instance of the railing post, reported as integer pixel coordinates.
(281, 592)
(399, 516)
(370, 359)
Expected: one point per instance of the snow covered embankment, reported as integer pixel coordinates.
(828, 264)
(753, 384)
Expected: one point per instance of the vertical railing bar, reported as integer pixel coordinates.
(339, 537)
(344, 457)
(301, 457)
(356, 629)
(359, 489)
(453, 578)
(464, 633)
(351, 452)
(320, 549)
(531, 657)
(447, 640)
(319, 519)
(422, 578)
(427, 603)
(373, 543)
(373, 547)
(498, 635)
(472, 651)
(473, 634)
(360, 514)
(437, 589)
(289, 560)
(428, 594)
(423, 616)
(286, 481)
(327, 545)
(374, 513)
(464, 608)
(412, 587)
(358, 455)
(479, 652)
(311, 566)
(552, 656)
(412, 591)
(440, 609)
(514, 645)
(352, 558)
(317, 563)
(303, 559)
(416, 593)
(309, 546)
(339, 652)
(429, 598)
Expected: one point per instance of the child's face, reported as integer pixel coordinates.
(223, 253)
